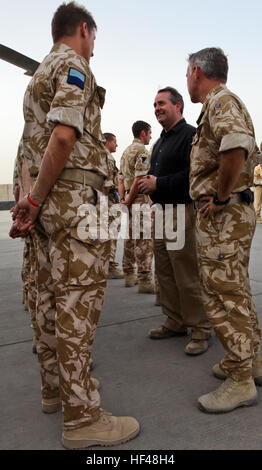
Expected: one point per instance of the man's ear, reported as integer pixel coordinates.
(197, 72)
(84, 30)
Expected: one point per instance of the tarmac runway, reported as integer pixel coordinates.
(154, 381)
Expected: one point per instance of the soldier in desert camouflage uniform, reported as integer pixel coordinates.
(222, 164)
(65, 155)
(17, 176)
(20, 188)
(111, 187)
(135, 162)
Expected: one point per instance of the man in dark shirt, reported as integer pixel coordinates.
(176, 269)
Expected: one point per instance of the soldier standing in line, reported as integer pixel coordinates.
(65, 154)
(111, 186)
(16, 191)
(221, 173)
(134, 164)
(177, 270)
(21, 186)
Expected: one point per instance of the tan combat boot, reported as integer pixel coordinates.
(130, 280)
(256, 370)
(107, 431)
(115, 272)
(228, 396)
(146, 287)
(196, 347)
(162, 333)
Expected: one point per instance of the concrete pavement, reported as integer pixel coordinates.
(153, 381)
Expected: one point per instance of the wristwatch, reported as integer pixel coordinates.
(219, 203)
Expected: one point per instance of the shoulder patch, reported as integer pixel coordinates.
(218, 105)
(75, 77)
(144, 160)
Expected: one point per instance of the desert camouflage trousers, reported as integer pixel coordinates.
(28, 278)
(113, 247)
(71, 281)
(113, 244)
(32, 293)
(25, 272)
(138, 251)
(223, 254)
(180, 291)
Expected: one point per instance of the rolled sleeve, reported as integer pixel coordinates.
(233, 141)
(67, 117)
(231, 124)
(140, 173)
(72, 91)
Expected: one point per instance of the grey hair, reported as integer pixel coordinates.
(212, 61)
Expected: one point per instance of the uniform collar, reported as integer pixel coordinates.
(62, 47)
(214, 91)
(137, 141)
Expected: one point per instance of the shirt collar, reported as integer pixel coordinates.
(174, 129)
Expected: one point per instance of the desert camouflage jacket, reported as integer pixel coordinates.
(63, 91)
(135, 161)
(224, 124)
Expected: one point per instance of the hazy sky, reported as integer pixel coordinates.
(141, 46)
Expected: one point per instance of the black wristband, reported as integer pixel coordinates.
(219, 203)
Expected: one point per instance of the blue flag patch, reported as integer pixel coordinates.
(144, 160)
(76, 78)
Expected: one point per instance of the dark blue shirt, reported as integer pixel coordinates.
(170, 163)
